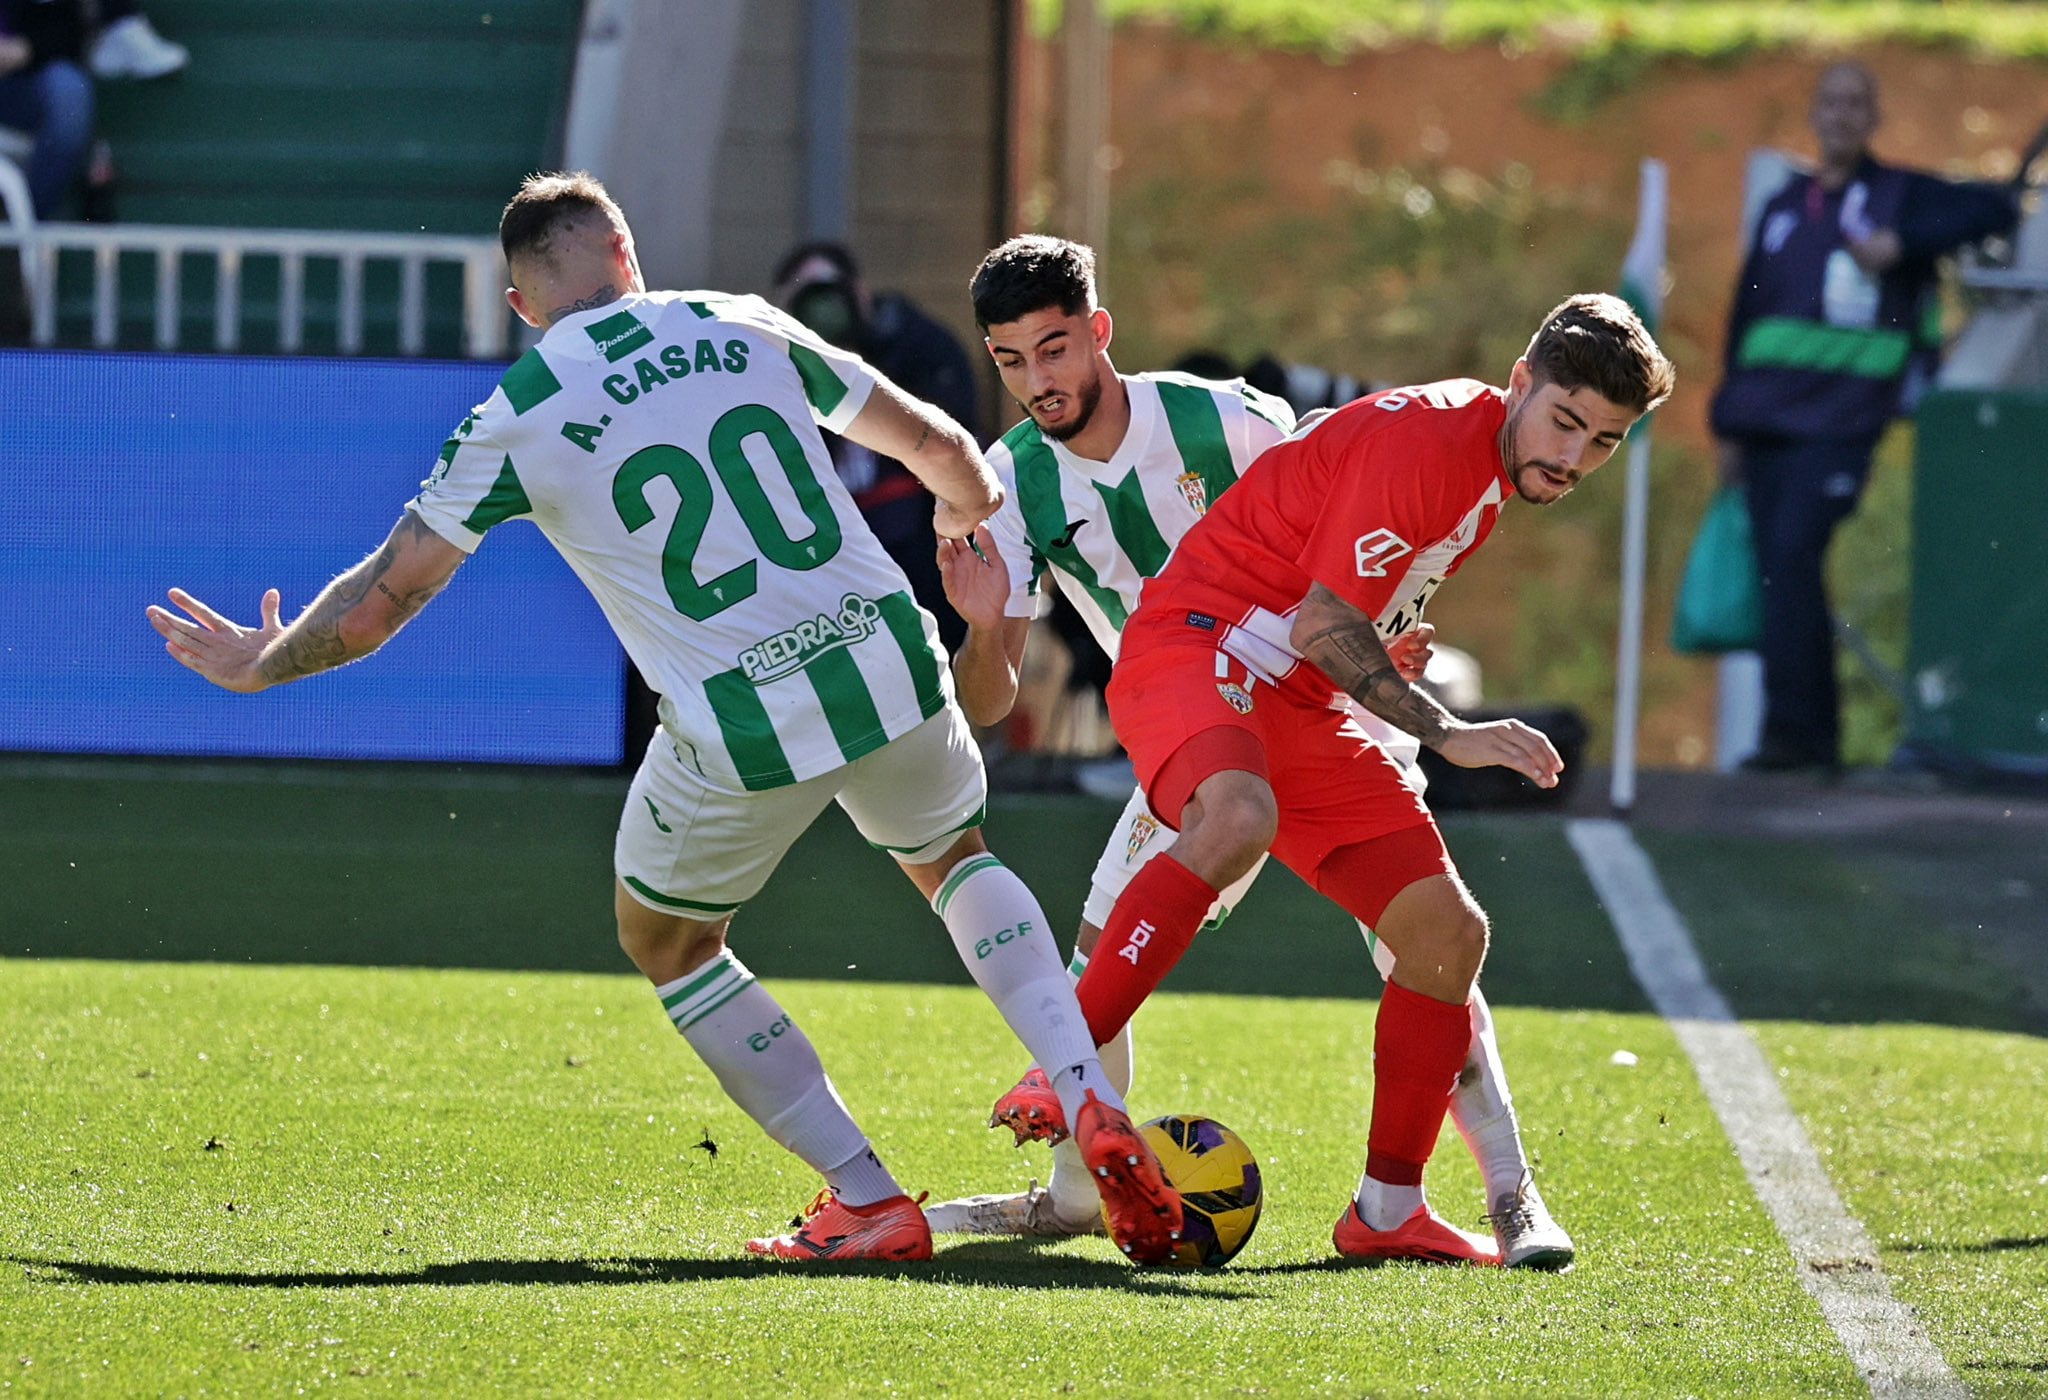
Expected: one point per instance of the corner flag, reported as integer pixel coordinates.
(1642, 286)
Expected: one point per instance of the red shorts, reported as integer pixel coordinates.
(1185, 711)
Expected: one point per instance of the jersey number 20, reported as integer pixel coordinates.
(699, 601)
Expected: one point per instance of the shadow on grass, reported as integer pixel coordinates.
(978, 1264)
(1997, 1246)
(1335, 1265)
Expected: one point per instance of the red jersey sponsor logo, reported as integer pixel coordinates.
(1379, 549)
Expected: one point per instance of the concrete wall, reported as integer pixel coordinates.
(697, 116)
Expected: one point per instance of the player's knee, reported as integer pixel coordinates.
(663, 946)
(1239, 820)
(1470, 937)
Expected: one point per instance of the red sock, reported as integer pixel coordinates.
(1418, 1047)
(1154, 921)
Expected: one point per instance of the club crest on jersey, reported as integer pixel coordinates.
(789, 651)
(1235, 696)
(1379, 549)
(1195, 491)
(1143, 829)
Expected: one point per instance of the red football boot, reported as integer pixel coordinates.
(1031, 1110)
(1424, 1236)
(892, 1230)
(1140, 1207)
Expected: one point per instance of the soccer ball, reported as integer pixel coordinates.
(1218, 1181)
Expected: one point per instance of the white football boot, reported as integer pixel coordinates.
(1528, 1237)
(1031, 1213)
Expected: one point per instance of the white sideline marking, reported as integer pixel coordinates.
(1837, 1263)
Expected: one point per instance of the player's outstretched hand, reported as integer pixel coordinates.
(1504, 743)
(224, 652)
(977, 584)
(1410, 652)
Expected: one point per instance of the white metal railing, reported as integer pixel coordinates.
(484, 314)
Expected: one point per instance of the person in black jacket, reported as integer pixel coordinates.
(820, 284)
(1834, 307)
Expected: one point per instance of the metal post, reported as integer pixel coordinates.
(106, 294)
(1084, 137)
(291, 303)
(412, 306)
(167, 300)
(828, 117)
(227, 300)
(1628, 670)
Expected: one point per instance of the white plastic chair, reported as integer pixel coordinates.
(21, 213)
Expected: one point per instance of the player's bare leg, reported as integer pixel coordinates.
(1003, 938)
(767, 1064)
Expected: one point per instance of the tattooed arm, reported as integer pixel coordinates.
(353, 616)
(939, 452)
(1343, 642)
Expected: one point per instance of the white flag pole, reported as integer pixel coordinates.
(1642, 283)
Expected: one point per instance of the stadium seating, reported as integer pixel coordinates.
(380, 115)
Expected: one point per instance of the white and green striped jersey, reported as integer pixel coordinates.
(1103, 528)
(667, 445)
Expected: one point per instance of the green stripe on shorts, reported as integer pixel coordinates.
(669, 901)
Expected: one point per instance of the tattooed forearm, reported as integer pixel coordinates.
(337, 628)
(313, 643)
(305, 652)
(603, 296)
(922, 438)
(1351, 654)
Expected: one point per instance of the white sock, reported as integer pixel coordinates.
(1002, 936)
(1483, 1109)
(1072, 1186)
(861, 1179)
(765, 1062)
(1383, 1205)
(1118, 1057)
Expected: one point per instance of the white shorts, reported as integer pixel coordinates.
(687, 847)
(1140, 835)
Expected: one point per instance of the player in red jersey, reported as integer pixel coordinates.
(1228, 695)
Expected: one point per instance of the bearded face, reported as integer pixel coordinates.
(1049, 365)
(1554, 438)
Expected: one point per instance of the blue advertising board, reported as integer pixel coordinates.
(125, 475)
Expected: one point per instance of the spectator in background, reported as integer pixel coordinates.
(46, 47)
(820, 284)
(1306, 388)
(46, 92)
(1834, 301)
(128, 45)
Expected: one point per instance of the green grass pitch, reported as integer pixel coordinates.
(306, 1083)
